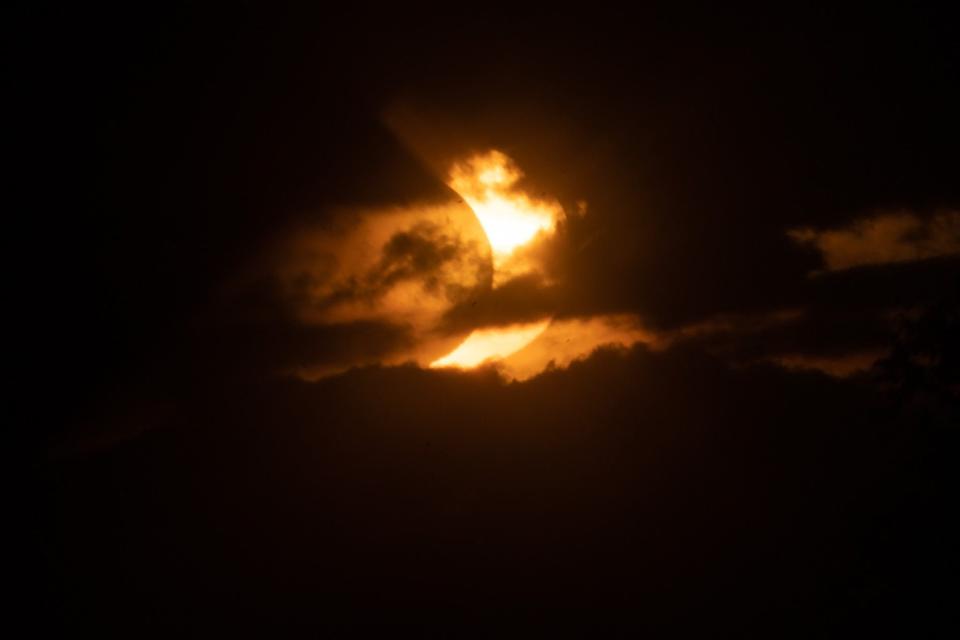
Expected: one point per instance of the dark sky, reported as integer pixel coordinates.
(775, 196)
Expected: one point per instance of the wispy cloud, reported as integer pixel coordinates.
(884, 238)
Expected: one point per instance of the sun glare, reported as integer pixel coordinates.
(510, 219)
(508, 216)
(492, 344)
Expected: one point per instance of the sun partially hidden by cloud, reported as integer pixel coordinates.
(883, 239)
(485, 345)
(520, 352)
(451, 282)
(511, 221)
(405, 268)
(510, 218)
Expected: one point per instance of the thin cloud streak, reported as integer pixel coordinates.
(883, 239)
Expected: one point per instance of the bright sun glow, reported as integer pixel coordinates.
(510, 219)
(508, 216)
(492, 344)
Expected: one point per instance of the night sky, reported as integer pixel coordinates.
(252, 238)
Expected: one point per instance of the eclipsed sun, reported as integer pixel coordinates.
(511, 220)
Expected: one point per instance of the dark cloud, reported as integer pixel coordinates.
(640, 485)
(521, 299)
(815, 332)
(419, 253)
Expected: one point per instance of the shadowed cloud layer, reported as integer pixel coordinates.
(446, 498)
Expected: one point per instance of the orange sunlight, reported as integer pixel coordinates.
(508, 216)
(485, 345)
(510, 219)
